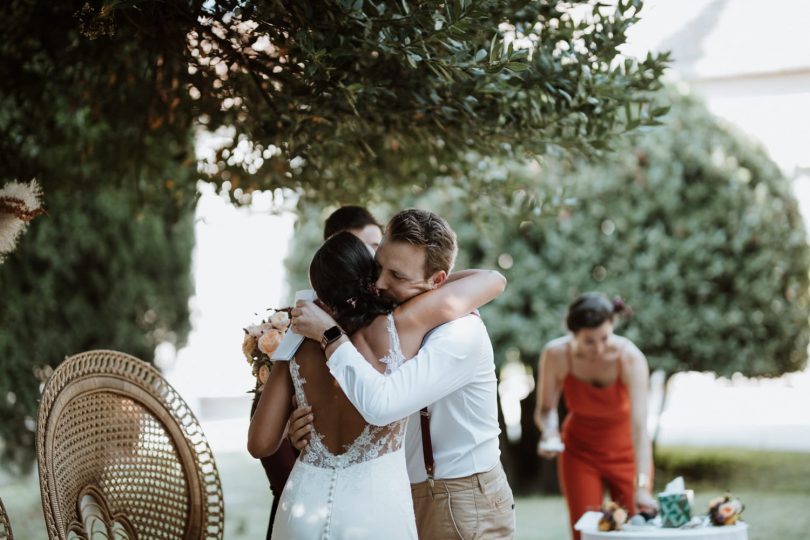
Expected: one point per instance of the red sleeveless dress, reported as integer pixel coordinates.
(598, 439)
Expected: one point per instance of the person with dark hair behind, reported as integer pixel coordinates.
(449, 391)
(604, 380)
(277, 468)
(361, 223)
(350, 465)
(358, 221)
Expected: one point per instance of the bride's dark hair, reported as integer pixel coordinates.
(343, 273)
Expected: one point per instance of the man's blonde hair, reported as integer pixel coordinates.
(428, 230)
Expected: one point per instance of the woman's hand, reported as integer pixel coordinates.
(300, 427)
(538, 419)
(645, 501)
(310, 320)
(550, 446)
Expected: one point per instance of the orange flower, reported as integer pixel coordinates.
(613, 517)
(280, 320)
(726, 510)
(264, 373)
(248, 346)
(270, 341)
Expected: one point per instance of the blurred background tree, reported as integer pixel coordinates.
(97, 272)
(690, 223)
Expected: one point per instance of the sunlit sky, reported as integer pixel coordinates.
(239, 273)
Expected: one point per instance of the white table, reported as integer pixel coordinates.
(738, 531)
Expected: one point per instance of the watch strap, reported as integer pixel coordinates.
(330, 336)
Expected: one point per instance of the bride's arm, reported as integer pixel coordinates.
(269, 423)
(460, 294)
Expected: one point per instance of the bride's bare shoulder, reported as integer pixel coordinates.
(309, 350)
(373, 333)
(372, 341)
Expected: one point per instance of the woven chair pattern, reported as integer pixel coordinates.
(5, 526)
(119, 449)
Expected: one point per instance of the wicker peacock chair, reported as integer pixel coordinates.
(121, 455)
(5, 526)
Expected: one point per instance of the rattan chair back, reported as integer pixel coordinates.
(5, 526)
(121, 455)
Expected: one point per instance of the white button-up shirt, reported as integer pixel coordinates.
(454, 375)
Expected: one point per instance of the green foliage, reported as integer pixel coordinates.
(694, 226)
(734, 468)
(80, 113)
(337, 98)
(96, 272)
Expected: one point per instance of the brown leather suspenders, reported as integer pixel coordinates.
(427, 445)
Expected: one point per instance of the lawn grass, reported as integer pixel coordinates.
(735, 469)
(775, 487)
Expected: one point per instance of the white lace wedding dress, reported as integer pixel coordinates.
(362, 493)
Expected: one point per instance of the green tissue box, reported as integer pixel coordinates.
(674, 509)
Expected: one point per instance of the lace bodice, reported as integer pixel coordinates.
(373, 441)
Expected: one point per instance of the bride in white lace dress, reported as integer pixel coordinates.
(351, 481)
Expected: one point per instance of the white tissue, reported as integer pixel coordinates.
(675, 486)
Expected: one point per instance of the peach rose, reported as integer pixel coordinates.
(264, 373)
(280, 320)
(265, 327)
(254, 330)
(248, 345)
(270, 341)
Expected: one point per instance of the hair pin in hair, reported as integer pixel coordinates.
(369, 286)
(352, 301)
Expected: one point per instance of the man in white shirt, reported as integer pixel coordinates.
(453, 377)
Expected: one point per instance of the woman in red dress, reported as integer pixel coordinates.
(603, 379)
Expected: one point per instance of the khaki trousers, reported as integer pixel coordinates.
(476, 507)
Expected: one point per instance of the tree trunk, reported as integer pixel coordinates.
(528, 473)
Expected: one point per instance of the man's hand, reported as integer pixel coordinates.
(310, 321)
(300, 427)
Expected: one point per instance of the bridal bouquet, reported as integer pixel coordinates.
(613, 517)
(261, 340)
(725, 510)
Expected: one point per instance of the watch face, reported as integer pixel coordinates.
(332, 334)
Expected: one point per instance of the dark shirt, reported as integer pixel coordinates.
(277, 467)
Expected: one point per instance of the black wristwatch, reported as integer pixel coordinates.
(330, 336)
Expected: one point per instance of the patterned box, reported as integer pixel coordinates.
(674, 509)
